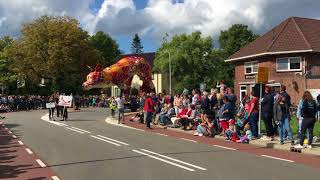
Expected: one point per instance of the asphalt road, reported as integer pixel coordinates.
(86, 147)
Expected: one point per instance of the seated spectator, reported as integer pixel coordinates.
(247, 136)
(165, 116)
(231, 134)
(188, 118)
(206, 127)
(138, 117)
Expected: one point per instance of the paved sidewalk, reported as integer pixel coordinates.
(260, 143)
(17, 161)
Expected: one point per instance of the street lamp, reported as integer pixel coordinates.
(170, 86)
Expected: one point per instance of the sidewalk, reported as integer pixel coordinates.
(17, 161)
(259, 143)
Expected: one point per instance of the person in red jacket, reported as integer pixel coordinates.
(149, 108)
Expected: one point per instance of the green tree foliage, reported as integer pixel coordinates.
(107, 46)
(54, 48)
(194, 61)
(6, 74)
(236, 37)
(136, 46)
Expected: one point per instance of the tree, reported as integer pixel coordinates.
(236, 37)
(54, 48)
(107, 46)
(6, 74)
(136, 46)
(193, 58)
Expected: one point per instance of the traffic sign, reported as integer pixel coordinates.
(262, 77)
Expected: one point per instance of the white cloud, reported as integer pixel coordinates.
(121, 17)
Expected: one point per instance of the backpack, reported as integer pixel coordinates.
(309, 109)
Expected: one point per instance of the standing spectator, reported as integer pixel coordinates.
(267, 113)
(51, 110)
(120, 105)
(148, 108)
(185, 102)
(206, 104)
(253, 115)
(281, 116)
(284, 93)
(177, 103)
(113, 106)
(308, 110)
(233, 100)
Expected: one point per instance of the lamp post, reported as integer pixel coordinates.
(170, 82)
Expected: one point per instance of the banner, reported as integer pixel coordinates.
(65, 101)
(50, 105)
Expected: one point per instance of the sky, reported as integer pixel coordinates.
(152, 19)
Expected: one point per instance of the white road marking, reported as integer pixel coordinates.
(55, 178)
(81, 129)
(20, 142)
(9, 132)
(161, 134)
(29, 151)
(6, 128)
(41, 163)
(105, 140)
(277, 158)
(3, 125)
(14, 136)
(188, 140)
(163, 160)
(75, 130)
(173, 159)
(225, 147)
(46, 118)
(113, 140)
(109, 121)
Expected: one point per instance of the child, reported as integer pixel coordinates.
(231, 134)
(113, 106)
(138, 117)
(248, 136)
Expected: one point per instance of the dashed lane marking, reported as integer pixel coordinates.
(9, 132)
(232, 149)
(75, 130)
(29, 151)
(14, 136)
(55, 178)
(163, 160)
(161, 134)
(81, 129)
(107, 138)
(20, 142)
(287, 160)
(101, 139)
(188, 140)
(41, 163)
(173, 159)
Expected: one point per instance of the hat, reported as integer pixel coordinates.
(232, 121)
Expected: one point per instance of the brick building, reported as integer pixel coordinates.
(290, 50)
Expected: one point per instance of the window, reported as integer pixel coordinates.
(243, 91)
(289, 64)
(251, 67)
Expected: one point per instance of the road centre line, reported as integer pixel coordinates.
(161, 134)
(163, 160)
(113, 140)
(41, 163)
(225, 147)
(188, 140)
(173, 159)
(277, 158)
(14, 136)
(20, 142)
(29, 151)
(9, 132)
(6, 128)
(105, 140)
(75, 130)
(55, 178)
(80, 129)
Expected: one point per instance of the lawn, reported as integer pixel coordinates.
(294, 127)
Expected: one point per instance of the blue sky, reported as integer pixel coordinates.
(152, 19)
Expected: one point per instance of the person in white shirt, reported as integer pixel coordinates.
(120, 105)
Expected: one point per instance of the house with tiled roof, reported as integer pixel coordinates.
(291, 51)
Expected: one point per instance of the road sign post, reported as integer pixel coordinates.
(261, 78)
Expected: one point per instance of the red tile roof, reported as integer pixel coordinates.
(293, 35)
